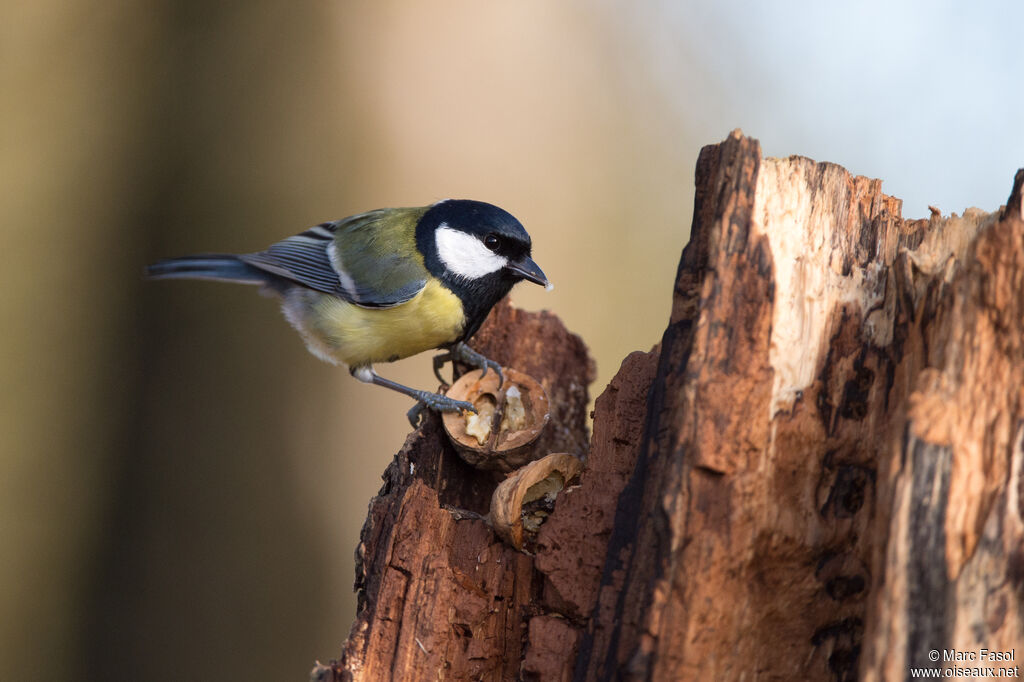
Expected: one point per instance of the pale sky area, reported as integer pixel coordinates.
(928, 96)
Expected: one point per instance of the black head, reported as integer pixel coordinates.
(477, 250)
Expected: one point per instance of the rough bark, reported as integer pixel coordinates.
(818, 474)
(440, 596)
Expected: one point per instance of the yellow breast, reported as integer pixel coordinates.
(361, 336)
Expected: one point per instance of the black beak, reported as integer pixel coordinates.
(527, 269)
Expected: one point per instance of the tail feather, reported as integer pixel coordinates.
(213, 266)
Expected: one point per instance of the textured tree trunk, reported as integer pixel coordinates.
(819, 474)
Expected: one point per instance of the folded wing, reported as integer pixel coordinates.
(368, 259)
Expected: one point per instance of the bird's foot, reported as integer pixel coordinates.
(468, 356)
(425, 400)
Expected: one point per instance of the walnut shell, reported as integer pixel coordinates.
(544, 478)
(519, 409)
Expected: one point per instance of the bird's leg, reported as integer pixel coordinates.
(467, 356)
(433, 401)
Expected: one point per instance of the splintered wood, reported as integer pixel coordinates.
(817, 474)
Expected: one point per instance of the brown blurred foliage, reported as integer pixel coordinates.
(182, 484)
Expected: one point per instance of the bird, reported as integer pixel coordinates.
(387, 284)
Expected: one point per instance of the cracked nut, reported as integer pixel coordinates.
(507, 421)
(522, 501)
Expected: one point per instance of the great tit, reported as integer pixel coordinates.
(387, 284)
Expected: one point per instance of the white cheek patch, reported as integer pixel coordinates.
(466, 255)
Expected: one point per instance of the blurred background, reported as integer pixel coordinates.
(181, 483)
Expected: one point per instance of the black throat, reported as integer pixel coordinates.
(479, 296)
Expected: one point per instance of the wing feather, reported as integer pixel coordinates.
(368, 259)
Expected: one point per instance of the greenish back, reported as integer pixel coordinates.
(375, 256)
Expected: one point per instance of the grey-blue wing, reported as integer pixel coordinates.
(303, 259)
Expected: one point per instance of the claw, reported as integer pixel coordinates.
(501, 377)
(437, 402)
(439, 361)
(467, 355)
(491, 364)
(415, 414)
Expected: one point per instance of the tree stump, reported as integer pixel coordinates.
(818, 474)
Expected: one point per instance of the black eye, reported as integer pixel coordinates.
(492, 242)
